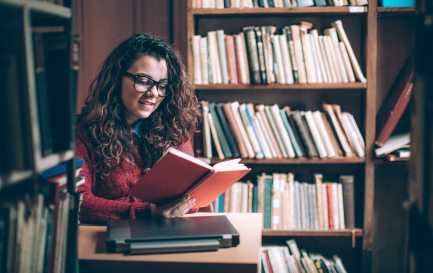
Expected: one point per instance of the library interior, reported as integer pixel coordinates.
(240, 136)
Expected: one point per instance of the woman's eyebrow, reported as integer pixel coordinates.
(148, 76)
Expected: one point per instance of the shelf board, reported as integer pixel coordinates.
(54, 159)
(313, 233)
(276, 11)
(14, 178)
(299, 161)
(41, 6)
(317, 86)
(395, 10)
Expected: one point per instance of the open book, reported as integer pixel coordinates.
(177, 173)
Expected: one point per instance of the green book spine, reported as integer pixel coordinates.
(267, 224)
(295, 141)
(221, 136)
(226, 129)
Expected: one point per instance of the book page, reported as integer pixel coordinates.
(229, 165)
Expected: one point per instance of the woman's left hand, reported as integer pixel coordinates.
(176, 208)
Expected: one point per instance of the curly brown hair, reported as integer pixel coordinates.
(104, 113)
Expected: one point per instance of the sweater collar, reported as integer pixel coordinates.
(137, 128)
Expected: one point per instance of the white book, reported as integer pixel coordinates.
(266, 137)
(335, 210)
(214, 57)
(352, 135)
(259, 132)
(204, 61)
(196, 53)
(271, 136)
(222, 54)
(250, 131)
(332, 77)
(287, 67)
(358, 132)
(299, 55)
(315, 58)
(332, 58)
(274, 128)
(241, 54)
(346, 61)
(319, 57)
(324, 134)
(282, 130)
(280, 74)
(331, 32)
(308, 56)
(248, 146)
(343, 37)
(315, 134)
(395, 142)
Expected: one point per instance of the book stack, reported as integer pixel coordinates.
(291, 259)
(221, 4)
(391, 144)
(267, 131)
(287, 204)
(259, 55)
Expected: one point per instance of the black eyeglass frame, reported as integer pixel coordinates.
(152, 83)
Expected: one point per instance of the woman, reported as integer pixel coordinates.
(140, 104)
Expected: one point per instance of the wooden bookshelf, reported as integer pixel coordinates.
(360, 24)
(36, 79)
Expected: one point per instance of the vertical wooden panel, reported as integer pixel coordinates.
(103, 25)
(154, 17)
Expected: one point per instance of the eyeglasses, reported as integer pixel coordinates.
(144, 84)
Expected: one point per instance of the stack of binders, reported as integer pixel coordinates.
(171, 235)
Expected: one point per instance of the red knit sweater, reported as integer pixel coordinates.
(107, 198)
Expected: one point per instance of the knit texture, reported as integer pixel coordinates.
(106, 198)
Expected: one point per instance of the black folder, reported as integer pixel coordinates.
(181, 234)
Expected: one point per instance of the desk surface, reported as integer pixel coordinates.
(243, 258)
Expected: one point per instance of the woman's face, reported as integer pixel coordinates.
(141, 105)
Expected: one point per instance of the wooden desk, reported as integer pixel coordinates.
(243, 258)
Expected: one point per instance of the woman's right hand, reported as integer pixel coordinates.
(176, 208)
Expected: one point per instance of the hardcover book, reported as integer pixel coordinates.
(176, 174)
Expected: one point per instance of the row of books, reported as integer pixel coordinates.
(258, 55)
(266, 131)
(34, 234)
(36, 228)
(287, 204)
(221, 4)
(281, 259)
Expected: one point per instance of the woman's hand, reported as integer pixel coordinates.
(176, 208)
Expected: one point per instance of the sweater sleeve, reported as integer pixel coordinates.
(97, 210)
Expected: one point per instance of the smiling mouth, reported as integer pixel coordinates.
(146, 103)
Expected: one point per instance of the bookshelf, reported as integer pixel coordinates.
(361, 26)
(38, 218)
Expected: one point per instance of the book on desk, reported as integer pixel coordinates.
(170, 235)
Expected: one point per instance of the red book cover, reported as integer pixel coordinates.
(394, 104)
(176, 174)
(330, 210)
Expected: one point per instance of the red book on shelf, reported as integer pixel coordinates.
(177, 173)
(394, 104)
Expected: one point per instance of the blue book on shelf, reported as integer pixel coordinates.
(60, 169)
(398, 3)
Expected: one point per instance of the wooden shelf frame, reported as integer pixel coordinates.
(247, 87)
(299, 161)
(369, 26)
(275, 11)
(313, 233)
(42, 7)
